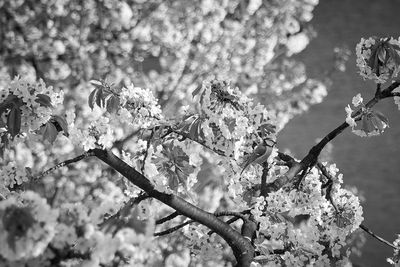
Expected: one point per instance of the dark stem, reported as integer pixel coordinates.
(264, 189)
(62, 164)
(123, 212)
(173, 229)
(236, 215)
(311, 158)
(168, 218)
(242, 247)
(377, 237)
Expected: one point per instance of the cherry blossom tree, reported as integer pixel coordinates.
(132, 134)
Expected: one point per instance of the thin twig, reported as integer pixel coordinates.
(120, 143)
(187, 136)
(147, 150)
(395, 94)
(232, 213)
(168, 218)
(124, 211)
(238, 215)
(328, 185)
(173, 229)
(54, 196)
(377, 237)
(63, 164)
(263, 191)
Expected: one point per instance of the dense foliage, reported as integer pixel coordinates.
(132, 134)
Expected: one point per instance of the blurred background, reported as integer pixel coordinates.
(370, 164)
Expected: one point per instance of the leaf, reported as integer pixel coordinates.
(96, 83)
(395, 56)
(91, 99)
(381, 117)
(266, 129)
(44, 100)
(367, 125)
(14, 121)
(62, 123)
(112, 103)
(231, 123)
(99, 98)
(382, 54)
(184, 126)
(379, 125)
(29, 172)
(197, 90)
(200, 131)
(50, 132)
(193, 131)
(374, 60)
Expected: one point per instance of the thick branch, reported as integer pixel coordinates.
(242, 248)
(311, 158)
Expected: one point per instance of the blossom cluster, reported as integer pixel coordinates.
(304, 224)
(27, 226)
(34, 102)
(10, 176)
(229, 120)
(169, 47)
(139, 106)
(182, 43)
(372, 123)
(395, 260)
(378, 58)
(136, 108)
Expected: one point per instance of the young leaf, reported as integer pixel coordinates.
(112, 103)
(99, 97)
(197, 90)
(44, 100)
(91, 99)
(193, 134)
(61, 123)
(96, 83)
(381, 116)
(14, 121)
(367, 125)
(379, 125)
(50, 132)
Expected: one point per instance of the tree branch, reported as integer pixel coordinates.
(395, 94)
(311, 158)
(242, 248)
(173, 229)
(236, 215)
(168, 218)
(63, 164)
(120, 143)
(377, 237)
(124, 211)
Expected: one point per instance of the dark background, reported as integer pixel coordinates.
(371, 164)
